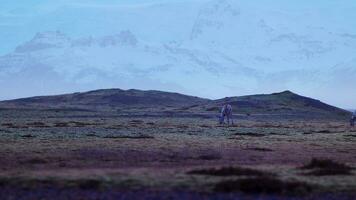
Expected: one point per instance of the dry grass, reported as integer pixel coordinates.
(37, 125)
(263, 185)
(229, 171)
(260, 149)
(27, 136)
(210, 156)
(62, 124)
(157, 152)
(324, 167)
(129, 137)
(35, 161)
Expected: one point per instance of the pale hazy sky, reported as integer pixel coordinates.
(15, 16)
(236, 47)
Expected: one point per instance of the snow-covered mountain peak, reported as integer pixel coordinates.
(221, 7)
(45, 40)
(239, 46)
(124, 38)
(49, 36)
(214, 15)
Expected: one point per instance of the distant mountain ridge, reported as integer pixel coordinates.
(244, 46)
(283, 103)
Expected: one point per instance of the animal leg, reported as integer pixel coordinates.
(228, 120)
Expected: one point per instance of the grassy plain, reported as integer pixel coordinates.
(75, 154)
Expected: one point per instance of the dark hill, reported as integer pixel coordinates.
(109, 98)
(284, 103)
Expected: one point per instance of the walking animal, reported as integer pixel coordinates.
(226, 111)
(353, 119)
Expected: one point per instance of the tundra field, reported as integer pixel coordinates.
(74, 154)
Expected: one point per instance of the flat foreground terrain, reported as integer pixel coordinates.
(74, 155)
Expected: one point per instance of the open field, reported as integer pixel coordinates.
(75, 154)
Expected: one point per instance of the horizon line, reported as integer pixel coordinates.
(145, 90)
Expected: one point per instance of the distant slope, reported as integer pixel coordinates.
(108, 98)
(285, 102)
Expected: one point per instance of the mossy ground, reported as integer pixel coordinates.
(100, 152)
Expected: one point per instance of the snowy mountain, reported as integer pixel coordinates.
(207, 48)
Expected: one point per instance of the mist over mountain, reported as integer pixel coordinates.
(211, 49)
